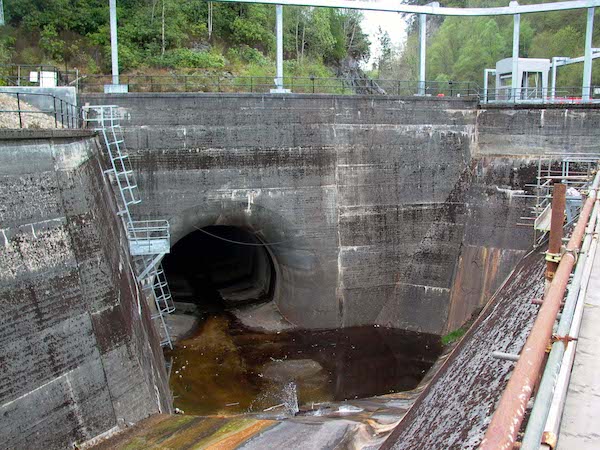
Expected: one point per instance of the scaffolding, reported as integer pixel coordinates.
(149, 240)
(576, 170)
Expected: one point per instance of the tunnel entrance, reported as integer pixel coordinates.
(219, 267)
(224, 367)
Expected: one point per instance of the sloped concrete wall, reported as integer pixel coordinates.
(453, 412)
(76, 357)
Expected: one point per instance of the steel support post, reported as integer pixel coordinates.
(553, 91)
(486, 74)
(556, 229)
(515, 56)
(279, 32)
(114, 46)
(586, 90)
(485, 85)
(422, 52)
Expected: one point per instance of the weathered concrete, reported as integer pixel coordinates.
(537, 130)
(398, 212)
(369, 202)
(454, 410)
(76, 357)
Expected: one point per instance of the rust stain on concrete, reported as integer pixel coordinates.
(480, 271)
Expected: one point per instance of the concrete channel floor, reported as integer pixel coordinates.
(580, 423)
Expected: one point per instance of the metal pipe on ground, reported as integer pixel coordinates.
(556, 229)
(506, 421)
(551, 430)
(564, 336)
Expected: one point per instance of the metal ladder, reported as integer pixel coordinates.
(149, 240)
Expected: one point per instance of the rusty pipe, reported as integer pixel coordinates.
(506, 421)
(559, 195)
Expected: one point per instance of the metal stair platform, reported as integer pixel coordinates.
(149, 237)
(149, 240)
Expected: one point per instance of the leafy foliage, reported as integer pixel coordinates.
(460, 48)
(177, 34)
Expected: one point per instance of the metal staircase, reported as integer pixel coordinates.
(149, 240)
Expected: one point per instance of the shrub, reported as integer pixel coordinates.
(247, 54)
(186, 58)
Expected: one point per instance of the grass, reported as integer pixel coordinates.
(454, 336)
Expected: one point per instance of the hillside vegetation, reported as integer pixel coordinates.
(187, 36)
(181, 36)
(460, 48)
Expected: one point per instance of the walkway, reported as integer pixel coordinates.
(579, 429)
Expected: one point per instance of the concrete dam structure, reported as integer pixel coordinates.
(388, 212)
(371, 203)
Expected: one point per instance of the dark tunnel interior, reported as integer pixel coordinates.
(218, 267)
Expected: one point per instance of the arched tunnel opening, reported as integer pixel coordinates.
(221, 275)
(219, 267)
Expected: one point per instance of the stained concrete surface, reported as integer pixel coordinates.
(579, 427)
(373, 202)
(454, 410)
(76, 358)
(537, 129)
(383, 204)
(452, 407)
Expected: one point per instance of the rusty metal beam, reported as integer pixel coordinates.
(559, 194)
(506, 421)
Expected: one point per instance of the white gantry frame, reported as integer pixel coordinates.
(513, 9)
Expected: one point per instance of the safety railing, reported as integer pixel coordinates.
(507, 419)
(32, 75)
(148, 237)
(147, 230)
(211, 82)
(562, 95)
(18, 110)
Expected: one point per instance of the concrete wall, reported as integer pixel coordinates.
(373, 202)
(537, 130)
(76, 357)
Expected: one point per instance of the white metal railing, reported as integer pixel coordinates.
(563, 95)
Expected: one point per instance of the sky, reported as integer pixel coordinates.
(390, 22)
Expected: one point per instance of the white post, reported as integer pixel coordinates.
(553, 91)
(486, 76)
(279, 32)
(114, 46)
(515, 56)
(1, 14)
(586, 89)
(422, 52)
(485, 85)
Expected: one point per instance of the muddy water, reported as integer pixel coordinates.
(227, 369)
